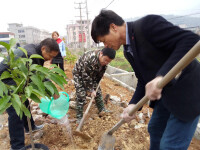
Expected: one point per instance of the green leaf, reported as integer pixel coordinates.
(28, 90)
(33, 67)
(3, 89)
(59, 71)
(6, 45)
(21, 114)
(49, 85)
(38, 93)
(53, 65)
(26, 111)
(4, 101)
(19, 88)
(12, 42)
(42, 69)
(23, 50)
(6, 107)
(36, 56)
(36, 80)
(35, 98)
(16, 103)
(23, 98)
(23, 70)
(5, 75)
(58, 80)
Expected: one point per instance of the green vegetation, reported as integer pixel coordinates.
(121, 62)
(30, 81)
(70, 58)
(29, 78)
(198, 58)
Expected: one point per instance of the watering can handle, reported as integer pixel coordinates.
(66, 95)
(185, 61)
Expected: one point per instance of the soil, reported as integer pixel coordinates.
(131, 136)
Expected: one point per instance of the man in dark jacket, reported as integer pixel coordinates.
(153, 46)
(48, 49)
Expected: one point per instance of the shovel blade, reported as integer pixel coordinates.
(107, 142)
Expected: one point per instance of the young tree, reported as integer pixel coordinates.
(32, 81)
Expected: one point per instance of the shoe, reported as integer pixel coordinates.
(78, 120)
(36, 128)
(105, 110)
(17, 149)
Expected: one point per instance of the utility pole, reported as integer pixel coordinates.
(81, 25)
(88, 27)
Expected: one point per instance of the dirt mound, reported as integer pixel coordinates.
(131, 136)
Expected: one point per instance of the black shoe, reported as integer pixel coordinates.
(36, 128)
(17, 149)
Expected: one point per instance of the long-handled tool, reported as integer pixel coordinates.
(78, 130)
(107, 142)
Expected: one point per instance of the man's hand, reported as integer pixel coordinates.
(152, 91)
(93, 94)
(56, 96)
(125, 114)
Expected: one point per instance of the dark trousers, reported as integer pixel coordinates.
(168, 132)
(16, 127)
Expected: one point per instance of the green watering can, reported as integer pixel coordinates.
(55, 108)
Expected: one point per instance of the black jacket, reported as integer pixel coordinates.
(31, 49)
(157, 46)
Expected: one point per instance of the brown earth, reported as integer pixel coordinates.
(57, 137)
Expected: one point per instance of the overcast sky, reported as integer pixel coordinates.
(56, 14)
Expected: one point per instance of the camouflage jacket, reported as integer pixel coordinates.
(88, 71)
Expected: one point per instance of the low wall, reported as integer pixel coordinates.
(124, 78)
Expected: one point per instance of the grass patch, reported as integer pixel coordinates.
(121, 62)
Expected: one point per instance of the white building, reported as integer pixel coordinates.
(74, 38)
(5, 37)
(29, 34)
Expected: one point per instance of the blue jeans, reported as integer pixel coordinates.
(16, 127)
(167, 132)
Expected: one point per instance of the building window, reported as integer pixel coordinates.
(21, 36)
(4, 35)
(20, 31)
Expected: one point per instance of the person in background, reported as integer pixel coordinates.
(17, 45)
(48, 49)
(87, 72)
(59, 59)
(152, 45)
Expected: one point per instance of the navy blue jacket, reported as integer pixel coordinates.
(157, 45)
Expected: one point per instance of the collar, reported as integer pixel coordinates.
(58, 40)
(127, 35)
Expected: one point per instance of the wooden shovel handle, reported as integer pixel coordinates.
(185, 61)
(86, 112)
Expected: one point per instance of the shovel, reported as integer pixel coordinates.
(78, 130)
(107, 141)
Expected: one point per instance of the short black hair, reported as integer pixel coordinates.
(109, 52)
(101, 23)
(50, 44)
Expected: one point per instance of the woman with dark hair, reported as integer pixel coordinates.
(58, 60)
